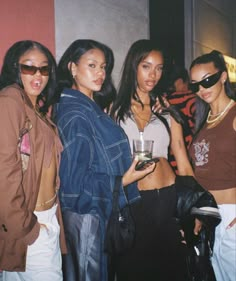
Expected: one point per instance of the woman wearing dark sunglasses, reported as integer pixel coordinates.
(29, 159)
(214, 154)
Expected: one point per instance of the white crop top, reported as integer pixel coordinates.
(154, 130)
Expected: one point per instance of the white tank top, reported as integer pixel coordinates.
(155, 130)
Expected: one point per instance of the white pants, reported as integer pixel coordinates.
(43, 260)
(224, 252)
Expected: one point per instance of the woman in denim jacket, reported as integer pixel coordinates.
(96, 150)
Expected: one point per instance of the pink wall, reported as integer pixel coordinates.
(26, 19)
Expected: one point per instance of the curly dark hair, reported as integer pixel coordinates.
(10, 73)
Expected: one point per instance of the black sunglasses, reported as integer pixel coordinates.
(206, 83)
(31, 69)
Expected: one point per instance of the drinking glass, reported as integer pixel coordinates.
(143, 149)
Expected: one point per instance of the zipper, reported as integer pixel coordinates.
(158, 205)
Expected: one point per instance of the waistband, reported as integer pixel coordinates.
(159, 190)
(47, 214)
(227, 211)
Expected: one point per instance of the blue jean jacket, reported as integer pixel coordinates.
(96, 150)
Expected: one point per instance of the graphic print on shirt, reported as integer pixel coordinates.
(201, 150)
(24, 144)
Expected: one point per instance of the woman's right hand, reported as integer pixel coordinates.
(132, 175)
(42, 225)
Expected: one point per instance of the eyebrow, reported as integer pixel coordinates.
(94, 60)
(33, 62)
(144, 61)
(203, 77)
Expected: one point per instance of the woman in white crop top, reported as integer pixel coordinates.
(158, 253)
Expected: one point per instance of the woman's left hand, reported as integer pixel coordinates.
(233, 222)
(197, 227)
(157, 107)
(183, 241)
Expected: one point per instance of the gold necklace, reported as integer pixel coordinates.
(46, 202)
(219, 115)
(136, 114)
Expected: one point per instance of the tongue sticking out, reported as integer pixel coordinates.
(36, 84)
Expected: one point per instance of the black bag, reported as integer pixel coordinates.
(199, 252)
(120, 232)
(193, 201)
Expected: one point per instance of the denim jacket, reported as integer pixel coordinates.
(96, 150)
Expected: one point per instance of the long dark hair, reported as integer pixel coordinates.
(10, 73)
(73, 54)
(138, 51)
(202, 108)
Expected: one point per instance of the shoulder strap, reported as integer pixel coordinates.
(116, 192)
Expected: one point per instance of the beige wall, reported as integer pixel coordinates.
(117, 23)
(209, 24)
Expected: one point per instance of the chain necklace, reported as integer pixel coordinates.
(46, 202)
(218, 115)
(137, 115)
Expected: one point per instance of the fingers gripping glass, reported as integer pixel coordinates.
(144, 164)
(31, 69)
(206, 83)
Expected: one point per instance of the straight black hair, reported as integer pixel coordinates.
(73, 53)
(202, 108)
(138, 51)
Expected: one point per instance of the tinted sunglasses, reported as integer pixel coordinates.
(206, 83)
(31, 69)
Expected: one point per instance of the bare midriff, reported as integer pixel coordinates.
(47, 190)
(225, 196)
(162, 176)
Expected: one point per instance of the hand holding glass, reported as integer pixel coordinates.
(143, 150)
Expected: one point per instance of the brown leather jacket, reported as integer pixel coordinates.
(18, 191)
